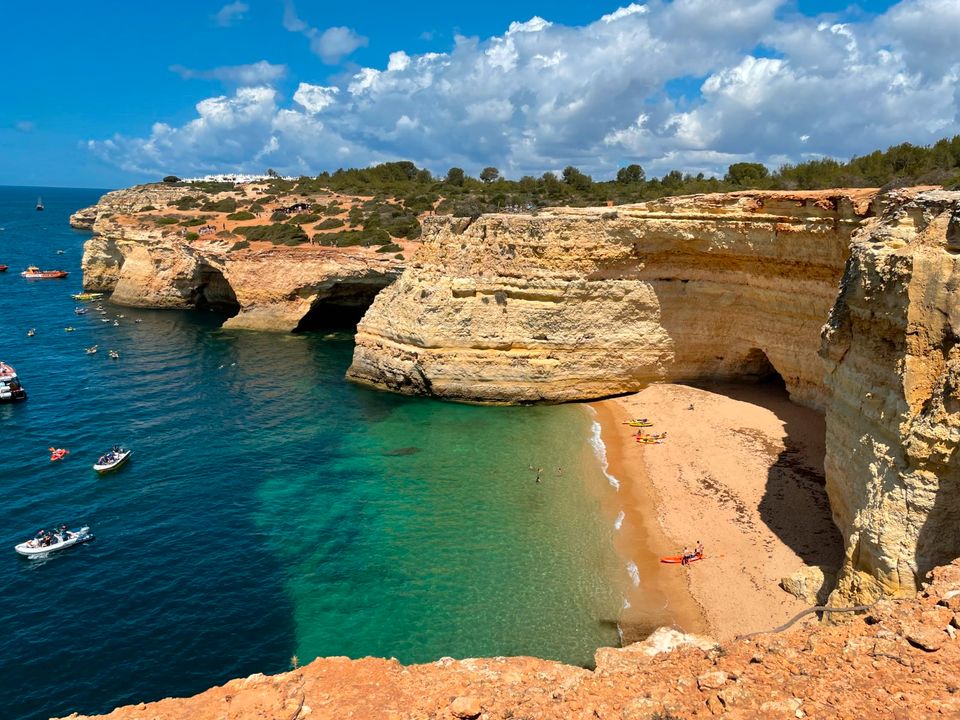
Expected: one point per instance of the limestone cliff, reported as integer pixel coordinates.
(128, 200)
(572, 304)
(898, 662)
(266, 287)
(893, 372)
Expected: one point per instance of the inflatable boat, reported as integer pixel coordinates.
(45, 543)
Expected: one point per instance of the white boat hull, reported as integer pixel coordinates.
(115, 464)
(75, 537)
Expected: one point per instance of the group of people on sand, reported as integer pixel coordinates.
(689, 555)
(46, 538)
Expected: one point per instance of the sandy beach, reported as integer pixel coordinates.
(741, 470)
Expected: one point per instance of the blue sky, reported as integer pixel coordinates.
(308, 86)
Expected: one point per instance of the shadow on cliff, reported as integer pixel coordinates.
(794, 504)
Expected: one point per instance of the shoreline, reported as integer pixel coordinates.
(742, 471)
(655, 598)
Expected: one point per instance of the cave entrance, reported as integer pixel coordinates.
(341, 308)
(756, 367)
(214, 293)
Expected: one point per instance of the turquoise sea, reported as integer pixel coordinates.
(270, 509)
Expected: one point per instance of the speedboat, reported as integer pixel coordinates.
(3, 268)
(35, 273)
(112, 460)
(60, 252)
(46, 542)
(91, 350)
(10, 388)
(31, 332)
(114, 355)
(80, 311)
(69, 328)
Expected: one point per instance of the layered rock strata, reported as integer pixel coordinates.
(266, 287)
(893, 376)
(128, 200)
(571, 304)
(576, 304)
(897, 662)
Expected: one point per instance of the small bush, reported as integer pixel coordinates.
(242, 215)
(352, 238)
(278, 233)
(306, 218)
(278, 216)
(227, 205)
(191, 236)
(193, 222)
(240, 245)
(171, 179)
(331, 224)
(256, 208)
(392, 247)
(333, 209)
(398, 256)
(167, 221)
(186, 203)
(147, 208)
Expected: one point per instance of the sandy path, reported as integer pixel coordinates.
(742, 471)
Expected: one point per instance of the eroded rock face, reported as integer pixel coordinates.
(267, 288)
(893, 422)
(582, 303)
(900, 664)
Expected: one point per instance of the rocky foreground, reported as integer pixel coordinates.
(898, 660)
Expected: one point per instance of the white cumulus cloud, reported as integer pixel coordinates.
(692, 85)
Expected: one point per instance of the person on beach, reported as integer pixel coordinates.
(698, 549)
(685, 556)
(539, 472)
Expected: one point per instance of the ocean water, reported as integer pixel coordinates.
(270, 508)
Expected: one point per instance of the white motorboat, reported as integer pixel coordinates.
(48, 542)
(112, 460)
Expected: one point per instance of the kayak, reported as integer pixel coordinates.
(58, 454)
(87, 296)
(59, 541)
(678, 559)
(112, 460)
(639, 423)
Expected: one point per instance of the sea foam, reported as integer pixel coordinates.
(601, 452)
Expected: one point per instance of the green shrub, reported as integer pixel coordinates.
(147, 208)
(167, 221)
(171, 179)
(240, 245)
(227, 205)
(256, 208)
(351, 238)
(242, 215)
(306, 218)
(278, 216)
(193, 222)
(332, 209)
(191, 236)
(331, 224)
(278, 233)
(391, 247)
(187, 202)
(398, 256)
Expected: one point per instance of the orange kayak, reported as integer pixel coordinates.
(678, 559)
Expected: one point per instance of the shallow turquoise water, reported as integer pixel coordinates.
(271, 509)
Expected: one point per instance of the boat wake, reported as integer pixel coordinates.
(618, 523)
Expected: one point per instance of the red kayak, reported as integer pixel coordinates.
(678, 559)
(3, 268)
